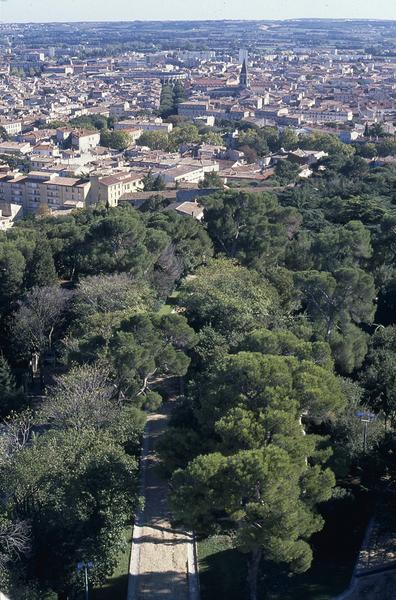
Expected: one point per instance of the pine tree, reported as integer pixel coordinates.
(10, 397)
(42, 268)
(7, 381)
(149, 182)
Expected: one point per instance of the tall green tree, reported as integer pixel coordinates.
(336, 247)
(10, 396)
(116, 139)
(230, 298)
(78, 492)
(146, 349)
(286, 171)
(155, 140)
(258, 474)
(12, 272)
(378, 375)
(120, 242)
(285, 343)
(264, 496)
(337, 303)
(211, 180)
(250, 227)
(41, 271)
(183, 134)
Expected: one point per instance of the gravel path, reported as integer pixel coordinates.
(158, 569)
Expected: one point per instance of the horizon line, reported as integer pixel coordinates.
(236, 20)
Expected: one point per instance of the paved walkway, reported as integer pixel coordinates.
(161, 556)
(374, 576)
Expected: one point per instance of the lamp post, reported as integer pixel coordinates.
(365, 418)
(85, 566)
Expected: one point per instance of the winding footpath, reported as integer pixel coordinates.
(162, 564)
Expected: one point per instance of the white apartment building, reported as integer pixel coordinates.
(38, 189)
(84, 140)
(11, 127)
(108, 190)
(156, 125)
(316, 116)
(187, 173)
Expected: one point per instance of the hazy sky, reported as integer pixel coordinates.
(128, 10)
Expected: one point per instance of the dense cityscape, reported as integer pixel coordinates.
(197, 310)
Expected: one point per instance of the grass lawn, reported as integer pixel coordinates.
(166, 309)
(116, 586)
(223, 569)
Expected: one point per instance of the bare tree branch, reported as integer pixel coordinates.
(84, 397)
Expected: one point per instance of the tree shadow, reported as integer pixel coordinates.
(223, 575)
(163, 585)
(115, 589)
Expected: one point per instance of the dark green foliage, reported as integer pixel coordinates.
(347, 431)
(116, 139)
(285, 343)
(249, 475)
(91, 122)
(250, 227)
(379, 373)
(153, 183)
(12, 271)
(259, 332)
(171, 96)
(145, 349)
(211, 180)
(261, 141)
(142, 350)
(41, 269)
(10, 397)
(286, 171)
(229, 298)
(154, 204)
(191, 246)
(337, 303)
(155, 140)
(116, 243)
(78, 492)
(7, 382)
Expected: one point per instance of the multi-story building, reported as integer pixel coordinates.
(331, 116)
(119, 109)
(38, 189)
(11, 127)
(108, 190)
(84, 140)
(193, 109)
(156, 125)
(15, 148)
(188, 173)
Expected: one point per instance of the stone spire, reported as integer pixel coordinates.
(244, 76)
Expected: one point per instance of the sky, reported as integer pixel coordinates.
(129, 10)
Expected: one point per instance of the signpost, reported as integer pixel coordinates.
(85, 566)
(366, 418)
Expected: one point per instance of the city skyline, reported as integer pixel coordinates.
(120, 10)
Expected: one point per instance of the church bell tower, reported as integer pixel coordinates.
(244, 76)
